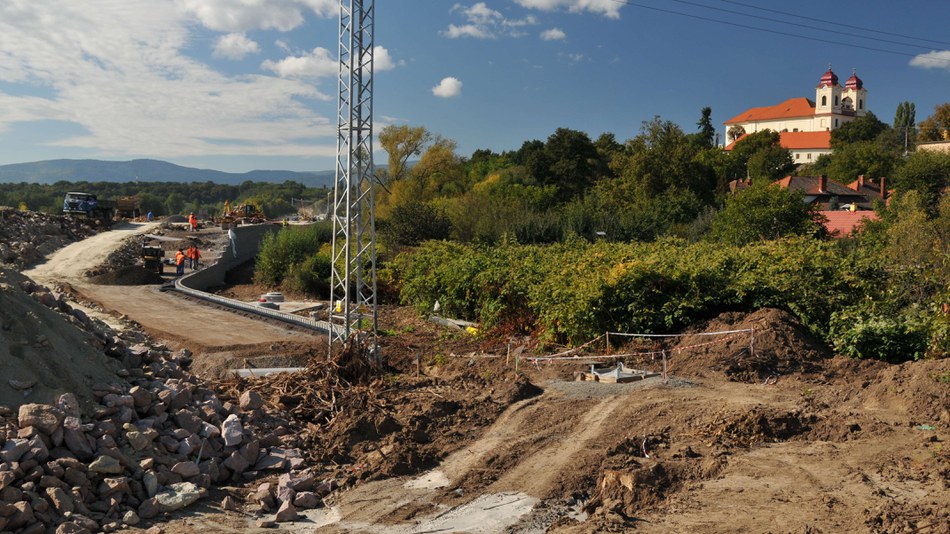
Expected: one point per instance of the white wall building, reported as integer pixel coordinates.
(805, 125)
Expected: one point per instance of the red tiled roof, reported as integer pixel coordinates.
(797, 140)
(805, 140)
(793, 107)
(842, 223)
(809, 184)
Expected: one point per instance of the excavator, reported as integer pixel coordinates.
(247, 213)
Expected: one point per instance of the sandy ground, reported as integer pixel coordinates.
(835, 446)
(165, 315)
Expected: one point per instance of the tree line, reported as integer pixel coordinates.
(166, 198)
(665, 181)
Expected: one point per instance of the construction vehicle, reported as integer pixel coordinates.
(128, 207)
(152, 258)
(248, 213)
(88, 205)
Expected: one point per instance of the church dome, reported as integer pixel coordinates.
(854, 82)
(828, 79)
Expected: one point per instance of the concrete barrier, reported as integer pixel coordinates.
(246, 246)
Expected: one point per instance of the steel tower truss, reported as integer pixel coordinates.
(353, 277)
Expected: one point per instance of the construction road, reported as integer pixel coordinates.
(164, 315)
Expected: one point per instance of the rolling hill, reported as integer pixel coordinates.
(145, 170)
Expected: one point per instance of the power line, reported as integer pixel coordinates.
(800, 25)
(778, 32)
(882, 32)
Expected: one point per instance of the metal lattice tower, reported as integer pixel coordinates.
(353, 277)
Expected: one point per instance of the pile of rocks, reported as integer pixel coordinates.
(27, 236)
(155, 440)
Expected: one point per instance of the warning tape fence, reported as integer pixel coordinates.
(566, 355)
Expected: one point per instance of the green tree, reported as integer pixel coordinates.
(414, 222)
(574, 162)
(763, 211)
(905, 122)
(174, 203)
(926, 172)
(866, 128)
(759, 155)
(707, 132)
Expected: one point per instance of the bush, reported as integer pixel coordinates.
(311, 276)
(871, 330)
(288, 247)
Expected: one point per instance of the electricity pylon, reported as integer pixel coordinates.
(353, 275)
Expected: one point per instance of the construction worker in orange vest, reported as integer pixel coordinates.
(179, 263)
(193, 256)
(194, 222)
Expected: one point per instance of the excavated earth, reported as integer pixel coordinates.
(465, 434)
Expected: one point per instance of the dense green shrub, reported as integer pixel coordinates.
(576, 290)
(288, 247)
(311, 276)
(874, 330)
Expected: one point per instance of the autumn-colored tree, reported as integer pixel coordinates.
(937, 126)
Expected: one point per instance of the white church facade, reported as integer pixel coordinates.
(804, 126)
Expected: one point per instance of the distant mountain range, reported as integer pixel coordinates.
(145, 170)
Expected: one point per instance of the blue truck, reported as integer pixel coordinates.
(88, 205)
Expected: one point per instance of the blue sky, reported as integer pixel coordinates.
(237, 85)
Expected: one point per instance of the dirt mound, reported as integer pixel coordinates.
(780, 345)
(42, 355)
(27, 236)
(129, 275)
(921, 390)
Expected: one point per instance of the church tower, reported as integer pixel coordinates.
(828, 95)
(855, 96)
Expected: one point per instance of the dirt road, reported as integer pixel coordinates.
(685, 457)
(164, 315)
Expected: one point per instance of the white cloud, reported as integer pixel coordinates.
(554, 34)
(485, 23)
(382, 60)
(448, 88)
(937, 59)
(234, 46)
(467, 30)
(244, 15)
(317, 64)
(608, 8)
(117, 73)
(479, 13)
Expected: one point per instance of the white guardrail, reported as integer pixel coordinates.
(312, 324)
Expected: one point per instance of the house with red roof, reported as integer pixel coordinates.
(804, 126)
(844, 207)
(845, 223)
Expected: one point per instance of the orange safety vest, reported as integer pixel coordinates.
(179, 258)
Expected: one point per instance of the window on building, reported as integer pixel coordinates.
(836, 123)
(836, 100)
(824, 100)
(794, 129)
(860, 104)
(809, 155)
(798, 156)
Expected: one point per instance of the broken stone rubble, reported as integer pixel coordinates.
(157, 439)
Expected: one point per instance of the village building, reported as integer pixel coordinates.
(843, 207)
(804, 126)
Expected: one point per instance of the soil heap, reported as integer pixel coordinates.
(27, 236)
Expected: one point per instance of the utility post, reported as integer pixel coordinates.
(353, 275)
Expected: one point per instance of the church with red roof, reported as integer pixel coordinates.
(804, 126)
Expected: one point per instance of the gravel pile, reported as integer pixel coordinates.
(27, 236)
(153, 441)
